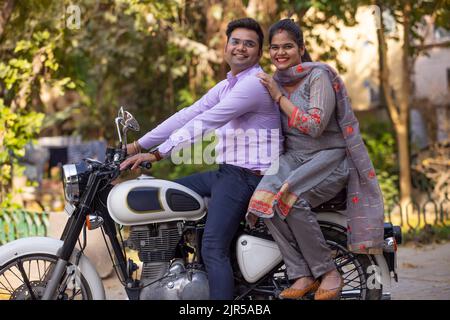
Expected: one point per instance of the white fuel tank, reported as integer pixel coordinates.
(148, 200)
(256, 256)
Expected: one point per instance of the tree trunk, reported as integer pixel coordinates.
(399, 111)
(5, 14)
(264, 11)
(404, 163)
(233, 9)
(405, 98)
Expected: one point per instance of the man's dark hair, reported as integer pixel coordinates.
(294, 31)
(246, 23)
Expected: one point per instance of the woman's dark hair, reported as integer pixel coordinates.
(246, 23)
(294, 31)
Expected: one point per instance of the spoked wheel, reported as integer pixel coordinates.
(354, 268)
(26, 277)
(352, 272)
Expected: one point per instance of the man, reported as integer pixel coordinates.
(234, 105)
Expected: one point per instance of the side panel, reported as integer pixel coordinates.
(148, 200)
(26, 246)
(256, 257)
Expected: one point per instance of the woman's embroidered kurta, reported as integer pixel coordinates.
(323, 142)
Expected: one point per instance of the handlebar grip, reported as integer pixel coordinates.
(145, 165)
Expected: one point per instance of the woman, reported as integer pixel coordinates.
(319, 126)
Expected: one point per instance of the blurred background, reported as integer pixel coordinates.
(67, 66)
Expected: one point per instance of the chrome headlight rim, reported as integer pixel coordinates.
(71, 183)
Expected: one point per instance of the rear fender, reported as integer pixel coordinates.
(339, 219)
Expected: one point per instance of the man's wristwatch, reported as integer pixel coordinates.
(156, 154)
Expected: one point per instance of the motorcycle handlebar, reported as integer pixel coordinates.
(145, 165)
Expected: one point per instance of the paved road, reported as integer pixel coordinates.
(424, 273)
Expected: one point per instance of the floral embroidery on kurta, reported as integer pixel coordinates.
(349, 130)
(306, 122)
(336, 86)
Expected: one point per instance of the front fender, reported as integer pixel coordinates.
(26, 246)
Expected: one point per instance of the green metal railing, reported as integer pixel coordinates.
(15, 224)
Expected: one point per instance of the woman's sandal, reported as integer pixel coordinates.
(292, 293)
(329, 294)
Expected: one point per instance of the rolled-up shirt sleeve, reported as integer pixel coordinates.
(163, 131)
(243, 98)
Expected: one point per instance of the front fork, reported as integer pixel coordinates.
(64, 253)
(70, 237)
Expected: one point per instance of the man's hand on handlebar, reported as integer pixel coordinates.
(137, 159)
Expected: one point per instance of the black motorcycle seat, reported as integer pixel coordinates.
(338, 203)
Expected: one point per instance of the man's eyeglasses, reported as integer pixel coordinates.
(247, 43)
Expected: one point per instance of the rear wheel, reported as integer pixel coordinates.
(25, 278)
(354, 268)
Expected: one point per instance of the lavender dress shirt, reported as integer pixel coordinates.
(243, 116)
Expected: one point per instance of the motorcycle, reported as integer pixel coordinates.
(165, 223)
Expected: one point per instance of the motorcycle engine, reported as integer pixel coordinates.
(155, 244)
(179, 284)
(163, 277)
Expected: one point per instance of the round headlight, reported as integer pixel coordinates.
(70, 182)
(74, 181)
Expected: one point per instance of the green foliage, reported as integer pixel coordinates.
(193, 162)
(18, 129)
(28, 63)
(167, 170)
(122, 55)
(327, 14)
(8, 203)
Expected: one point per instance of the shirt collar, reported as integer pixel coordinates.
(231, 78)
